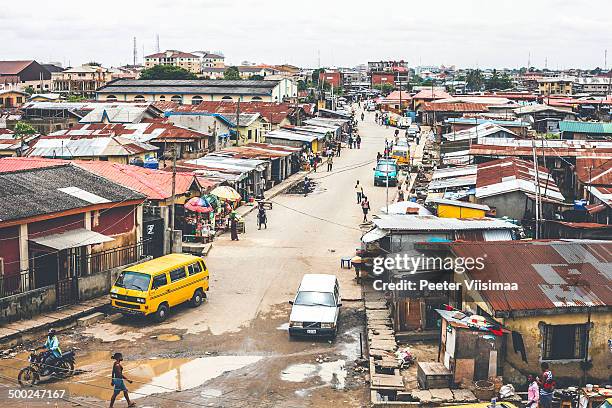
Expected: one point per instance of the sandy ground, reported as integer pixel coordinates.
(234, 351)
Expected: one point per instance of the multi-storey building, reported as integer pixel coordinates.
(82, 80)
(555, 86)
(185, 60)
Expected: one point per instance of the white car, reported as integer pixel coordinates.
(316, 307)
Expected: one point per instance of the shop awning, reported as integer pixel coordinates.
(374, 235)
(71, 239)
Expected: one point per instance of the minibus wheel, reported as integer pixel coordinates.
(196, 300)
(162, 313)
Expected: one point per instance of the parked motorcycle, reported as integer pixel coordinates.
(63, 367)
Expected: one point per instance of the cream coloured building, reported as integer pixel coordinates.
(193, 92)
(185, 60)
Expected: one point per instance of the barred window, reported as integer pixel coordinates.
(565, 341)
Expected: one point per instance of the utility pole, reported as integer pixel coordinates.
(238, 121)
(157, 42)
(537, 192)
(173, 198)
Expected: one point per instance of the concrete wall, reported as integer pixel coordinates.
(26, 305)
(99, 284)
(510, 205)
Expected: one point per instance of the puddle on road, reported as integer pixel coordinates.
(154, 376)
(169, 337)
(332, 373)
(169, 375)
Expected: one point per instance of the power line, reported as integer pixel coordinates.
(316, 217)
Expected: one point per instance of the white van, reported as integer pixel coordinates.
(316, 307)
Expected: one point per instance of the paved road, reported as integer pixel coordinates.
(240, 329)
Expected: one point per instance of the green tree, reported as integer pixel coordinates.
(316, 74)
(498, 82)
(20, 132)
(475, 80)
(256, 77)
(166, 72)
(302, 86)
(94, 64)
(29, 90)
(385, 88)
(232, 73)
(75, 98)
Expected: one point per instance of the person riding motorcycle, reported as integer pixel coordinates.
(52, 350)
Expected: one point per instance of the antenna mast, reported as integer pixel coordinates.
(135, 51)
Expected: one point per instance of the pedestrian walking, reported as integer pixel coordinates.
(306, 186)
(234, 226)
(338, 147)
(316, 162)
(378, 157)
(358, 141)
(400, 194)
(118, 381)
(362, 116)
(330, 162)
(376, 117)
(350, 141)
(365, 207)
(547, 386)
(359, 191)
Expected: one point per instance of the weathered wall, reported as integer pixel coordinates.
(26, 305)
(566, 370)
(510, 205)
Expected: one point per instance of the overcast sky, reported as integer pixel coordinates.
(467, 33)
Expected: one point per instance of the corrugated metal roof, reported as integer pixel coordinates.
(512, 174)
(432, 223)
(479, 132)
(82, 146)
(549, 274)
(38, 190)
(155, 184)
(585, 127)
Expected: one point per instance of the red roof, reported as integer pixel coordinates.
(549, 274)
(431, 94)
(13, 67)
(155, 184)
(274, 113)
(505, 175)
(454, 107)
(4, 131)
(594, 171)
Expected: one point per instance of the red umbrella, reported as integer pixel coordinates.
(199, 205)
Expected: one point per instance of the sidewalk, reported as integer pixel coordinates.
(13, 333)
